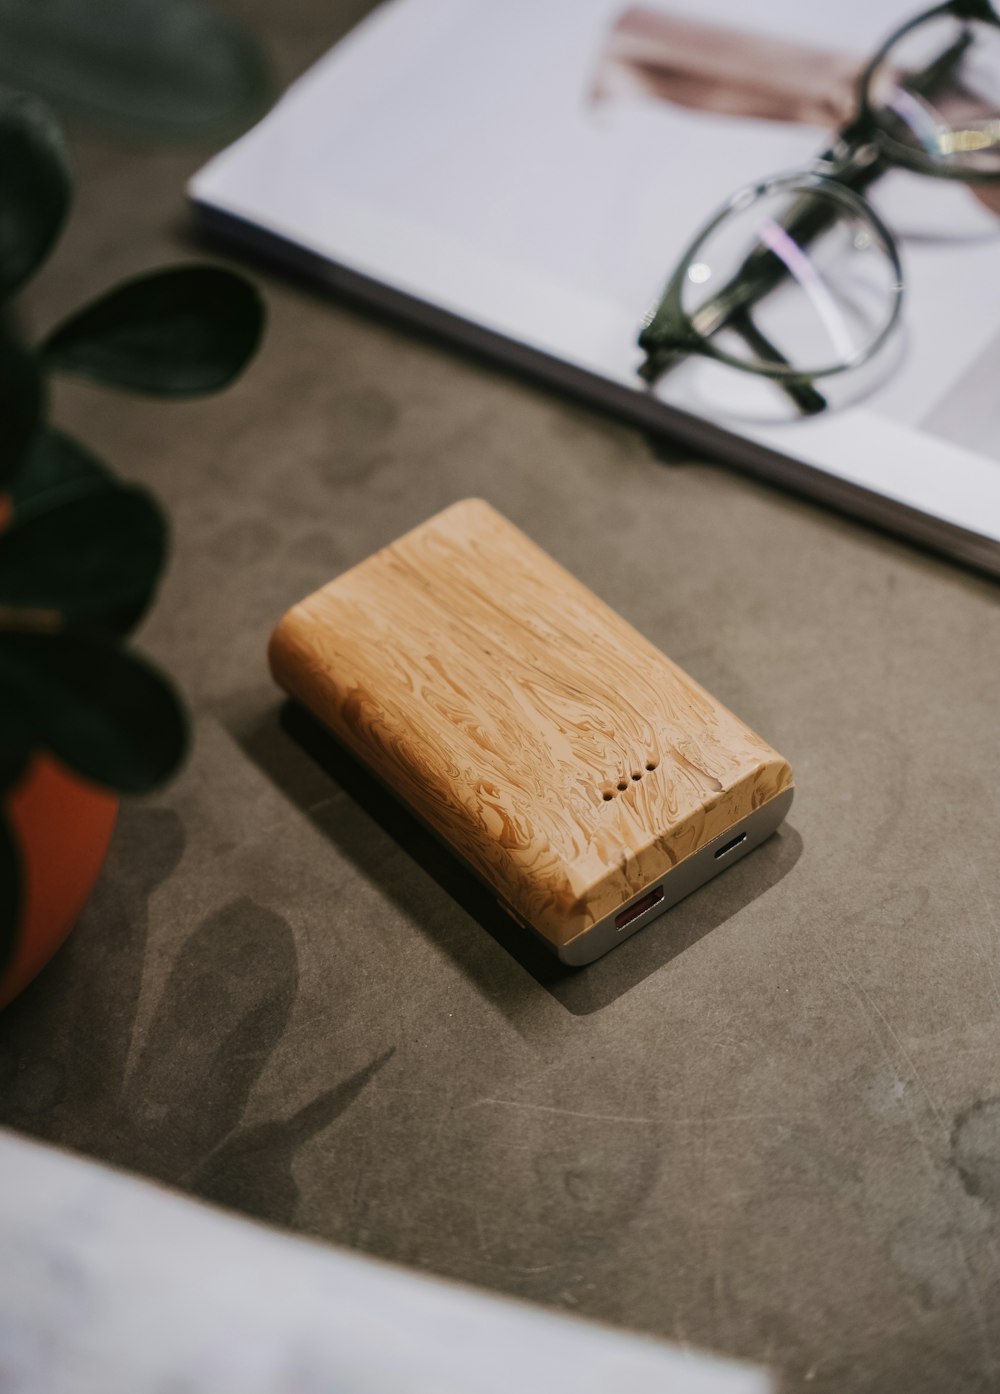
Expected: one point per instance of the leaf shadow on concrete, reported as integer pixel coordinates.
(167, 1099)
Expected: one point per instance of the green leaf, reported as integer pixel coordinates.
(93, 557)
(185, 330)
(35, 188)
(21, 399)
(176, 70)
(55, 463)
(10, 892)
(100, 709)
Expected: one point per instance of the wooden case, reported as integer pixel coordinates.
(577, 770)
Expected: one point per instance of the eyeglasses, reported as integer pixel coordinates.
(797, 277)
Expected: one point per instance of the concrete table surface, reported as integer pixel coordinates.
(768, 1126)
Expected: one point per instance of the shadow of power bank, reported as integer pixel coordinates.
(561, 756)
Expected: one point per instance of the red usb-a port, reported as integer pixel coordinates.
(639, 907)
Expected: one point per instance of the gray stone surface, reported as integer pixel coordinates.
(770, 1124)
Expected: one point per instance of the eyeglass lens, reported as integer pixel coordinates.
(936, 94)
(796, 280)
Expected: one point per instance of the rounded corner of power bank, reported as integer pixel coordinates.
(579, 951)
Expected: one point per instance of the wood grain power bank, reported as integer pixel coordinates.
(577, 770)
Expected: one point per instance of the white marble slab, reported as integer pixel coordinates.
(111, 1285)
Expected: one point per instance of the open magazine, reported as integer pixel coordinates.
(526, 177)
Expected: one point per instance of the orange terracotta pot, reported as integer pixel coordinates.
(62, 825)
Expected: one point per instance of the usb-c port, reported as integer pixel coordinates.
(730, 845)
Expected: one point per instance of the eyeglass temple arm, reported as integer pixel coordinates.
(974, 9)
(805, 396)
(924, 82)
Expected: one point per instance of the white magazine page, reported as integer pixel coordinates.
(506, 164)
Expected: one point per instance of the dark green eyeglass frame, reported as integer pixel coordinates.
(864, 150)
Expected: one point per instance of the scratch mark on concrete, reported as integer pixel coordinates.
(670, 1120)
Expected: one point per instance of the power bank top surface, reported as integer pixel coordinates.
(557, 751)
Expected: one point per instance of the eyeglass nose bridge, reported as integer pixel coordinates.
(847, 160)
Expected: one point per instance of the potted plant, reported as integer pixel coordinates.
(83, 717)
